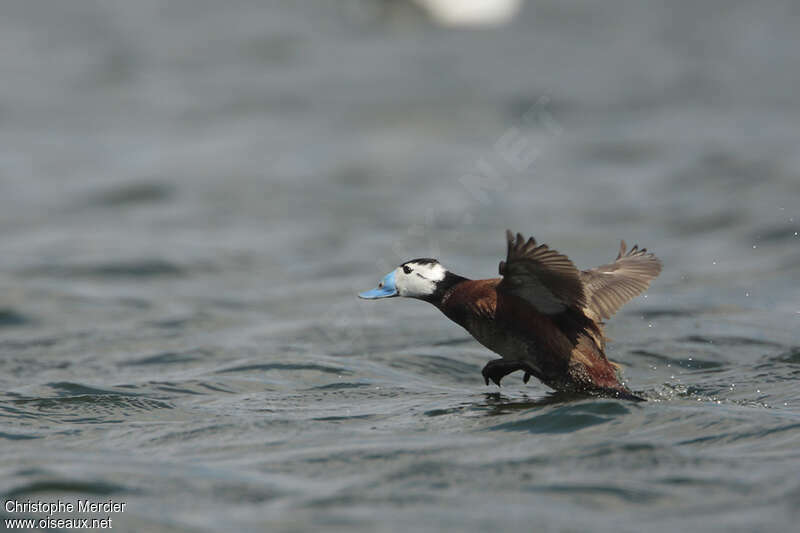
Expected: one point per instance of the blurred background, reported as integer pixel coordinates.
(192, 193)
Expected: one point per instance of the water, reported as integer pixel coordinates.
(193, 193)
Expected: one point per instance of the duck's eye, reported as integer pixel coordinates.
(380, 285)
(407, 269)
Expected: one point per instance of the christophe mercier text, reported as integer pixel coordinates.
(62, 507)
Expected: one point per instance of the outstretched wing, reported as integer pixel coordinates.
(543, 277)
(609, 287)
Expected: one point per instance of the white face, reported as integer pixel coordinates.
(418, 279)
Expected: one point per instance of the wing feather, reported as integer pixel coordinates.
(609, 287)
(543, 277)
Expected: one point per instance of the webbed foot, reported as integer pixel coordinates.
(497, 369)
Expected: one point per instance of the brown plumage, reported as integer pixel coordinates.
(543, 316)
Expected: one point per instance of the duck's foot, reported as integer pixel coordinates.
(497, 369)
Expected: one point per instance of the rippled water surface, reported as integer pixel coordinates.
(194, 192)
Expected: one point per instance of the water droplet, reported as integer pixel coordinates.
(754, 247)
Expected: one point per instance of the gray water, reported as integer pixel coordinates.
(193, 192)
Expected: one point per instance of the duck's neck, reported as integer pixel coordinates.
(443, 287)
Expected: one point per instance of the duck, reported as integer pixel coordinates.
(543, 316)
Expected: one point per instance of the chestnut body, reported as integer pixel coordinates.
(544, 316)
(565, 350)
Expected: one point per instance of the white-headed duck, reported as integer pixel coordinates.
(544, 316)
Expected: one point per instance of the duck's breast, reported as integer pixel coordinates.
(501, 340)
(486, 315)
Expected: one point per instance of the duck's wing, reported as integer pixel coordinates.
(543, 277)
(609, 287)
